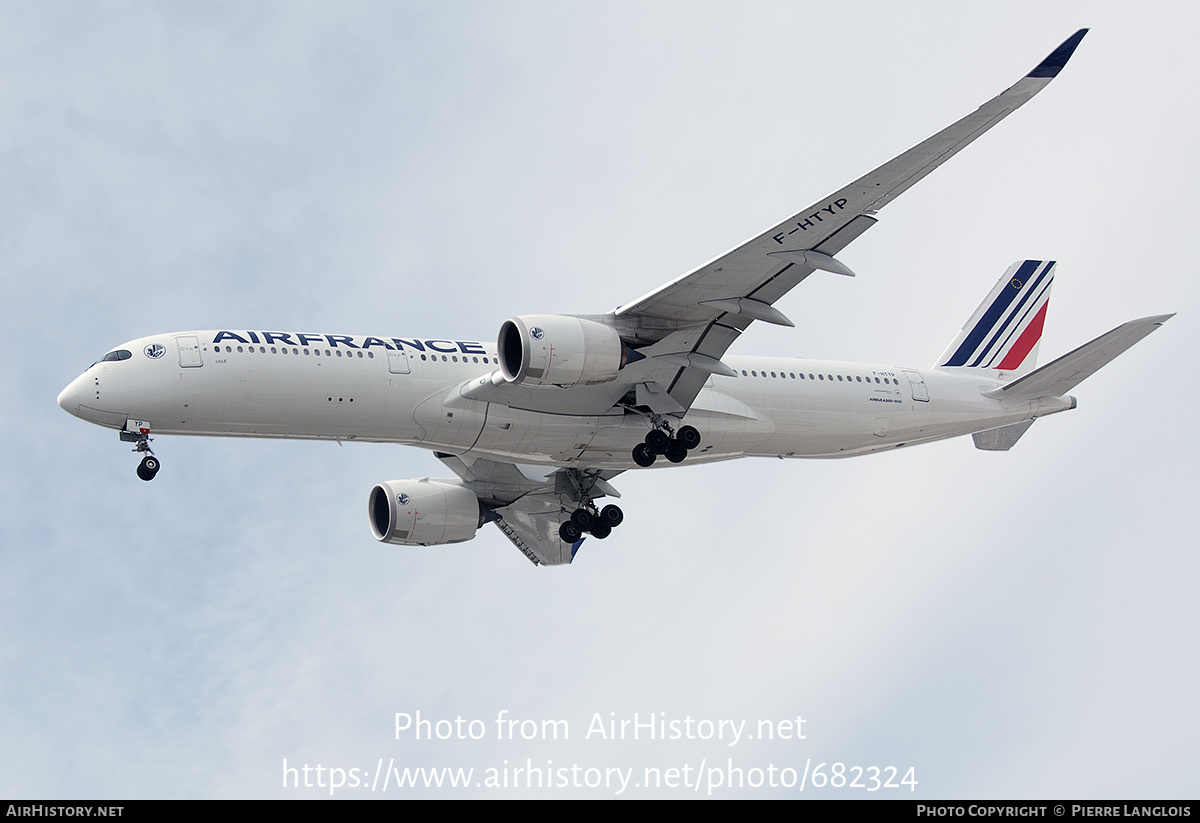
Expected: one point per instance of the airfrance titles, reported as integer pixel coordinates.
(349, 341)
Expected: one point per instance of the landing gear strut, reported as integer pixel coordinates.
(661, 441)
(141, 440)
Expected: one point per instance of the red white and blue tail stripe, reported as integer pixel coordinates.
(1001, 338)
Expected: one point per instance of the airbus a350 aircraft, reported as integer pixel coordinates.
(537, 425)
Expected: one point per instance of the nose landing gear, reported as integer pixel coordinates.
(141, 440)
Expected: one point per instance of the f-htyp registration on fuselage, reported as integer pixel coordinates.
(536, 426)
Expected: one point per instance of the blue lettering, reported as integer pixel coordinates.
(432, 347)
(305, 338)
(228, 335)
(278, 336)
(334, 339)
(400, 344)
(471, 348)
(375, 341)
(253, 336)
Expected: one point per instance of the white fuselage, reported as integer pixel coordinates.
(408, 391)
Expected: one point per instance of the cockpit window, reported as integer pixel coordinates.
(119, 354)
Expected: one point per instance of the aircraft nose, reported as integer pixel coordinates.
(68, 398)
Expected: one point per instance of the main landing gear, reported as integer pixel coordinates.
(599, 524)
(141, 440)
(660, 441)
(582, 488)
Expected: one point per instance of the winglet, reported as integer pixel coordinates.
(1052, 65)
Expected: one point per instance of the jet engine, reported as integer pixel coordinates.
(423, 512)
(558, 350)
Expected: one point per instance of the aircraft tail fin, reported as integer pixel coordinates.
(1059, 377)
(1001, 339)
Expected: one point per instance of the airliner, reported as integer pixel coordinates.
(535, 426)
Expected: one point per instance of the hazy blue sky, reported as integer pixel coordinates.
(1010, 625)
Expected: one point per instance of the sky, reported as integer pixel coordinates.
(1001, 625)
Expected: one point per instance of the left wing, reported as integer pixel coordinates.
(680, 332)
(528, 503)
(724, 295)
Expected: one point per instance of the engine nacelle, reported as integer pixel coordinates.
(557, 350)
(423, 512)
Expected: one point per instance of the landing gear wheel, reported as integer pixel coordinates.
(688, 437)
(568, 533)
(658, 441)
(676, 453)
(148, 467)
(643, 456)
(611, 516)
(600, 531)
(582, 519)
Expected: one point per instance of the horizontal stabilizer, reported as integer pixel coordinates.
(1057, 378)
(1001, 439)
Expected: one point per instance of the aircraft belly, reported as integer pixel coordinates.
(536, 437)
(277, 399)
(844, 411)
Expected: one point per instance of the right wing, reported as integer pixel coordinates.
(528, 503)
